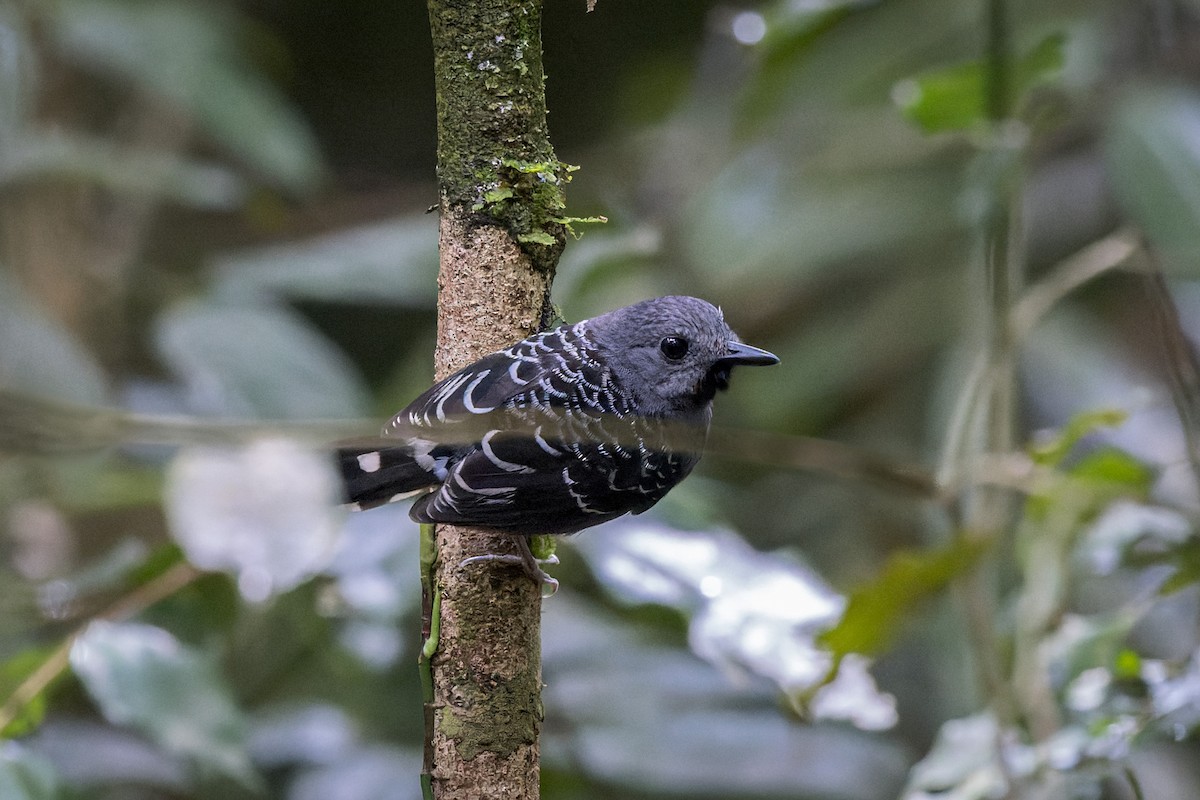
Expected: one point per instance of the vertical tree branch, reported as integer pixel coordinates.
(988, 509)
(500, 186)
(986, 419)
(1003, 273)
(998, 57)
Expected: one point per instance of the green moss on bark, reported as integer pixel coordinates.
(507, 709)
(491, 105)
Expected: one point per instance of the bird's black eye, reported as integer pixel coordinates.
(674, 347)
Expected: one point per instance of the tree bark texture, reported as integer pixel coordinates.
(499, 241)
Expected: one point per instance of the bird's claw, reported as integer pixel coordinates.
(524, 559)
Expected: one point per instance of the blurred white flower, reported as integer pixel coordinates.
(266, 512)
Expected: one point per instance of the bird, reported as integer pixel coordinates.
(562, 431)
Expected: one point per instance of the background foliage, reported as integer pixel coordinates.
(214, 211)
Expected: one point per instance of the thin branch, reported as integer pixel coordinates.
(1181, 362)
(1094, 260)
(823, 456)
(41, 426)
(128, 606)
(989, 399)
(998, 83)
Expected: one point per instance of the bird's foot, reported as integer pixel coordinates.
(525, 559)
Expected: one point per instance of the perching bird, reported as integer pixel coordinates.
(567, 429)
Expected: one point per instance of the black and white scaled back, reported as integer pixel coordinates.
(564, 430)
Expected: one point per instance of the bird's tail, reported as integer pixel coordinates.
(373, 476)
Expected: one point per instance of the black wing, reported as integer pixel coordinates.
(548, 369)
(537, 438)
(543, 484)
(432, 432)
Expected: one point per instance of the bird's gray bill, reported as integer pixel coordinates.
(751, 356)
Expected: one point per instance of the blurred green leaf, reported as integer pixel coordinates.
(1153, 155)
(157, 563)
(806, 227)
(1095, 481)
(1080, 643)
(1051, 451)
(601, 261)
(143, 677)
(1043, 63)
(849, 345)
(393, 262)
(952, 99)
(13, 672)
(155, 174)
(206, 608)
(1127, 665)
(110, 485)
(877, 611)
(1114, 471)
(1183, 556)
(799, 38)
(1133, 534)
(791, 26)
(258, 362)
(27, 776)
(187, 52)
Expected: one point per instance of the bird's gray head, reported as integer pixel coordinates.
(672, 353)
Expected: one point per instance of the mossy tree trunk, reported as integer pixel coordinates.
(500, 238)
